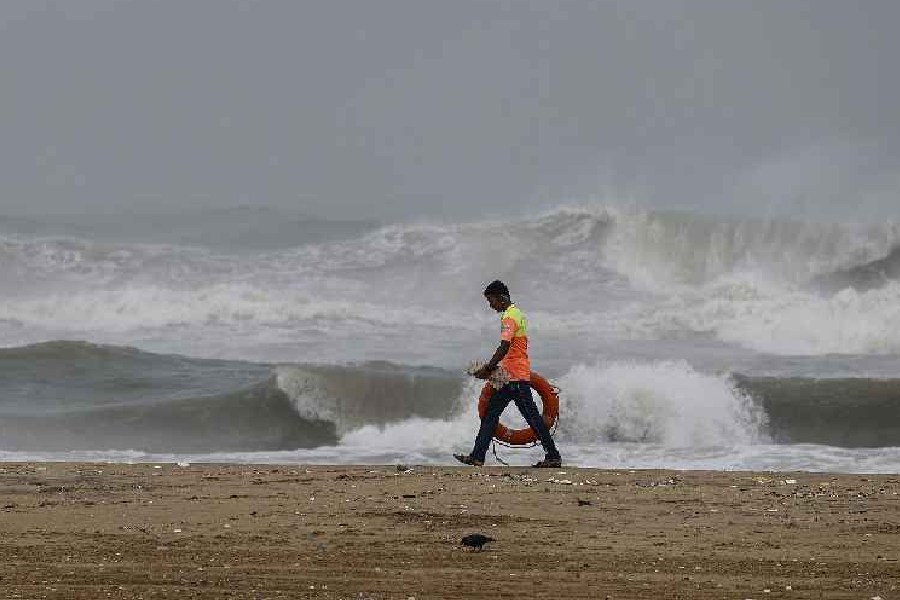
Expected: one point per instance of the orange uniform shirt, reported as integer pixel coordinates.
(513, 329)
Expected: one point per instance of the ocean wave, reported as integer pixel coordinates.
(781, 287)
(853, 412)
(67, 395)
(374, 393)
(650, 247)
(774, 320)
(75, 396)
(664, 249)
(135, 308)
(667, 403)
(863, 277)
(260, 417)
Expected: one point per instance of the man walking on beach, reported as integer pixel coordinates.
(512, 357)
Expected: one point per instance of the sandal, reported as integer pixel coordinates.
(548, 463)
(468, 460)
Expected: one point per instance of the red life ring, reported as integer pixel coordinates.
(523, 437)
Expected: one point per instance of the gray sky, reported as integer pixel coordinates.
(450, 109)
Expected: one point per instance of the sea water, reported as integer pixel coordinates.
(677, 340)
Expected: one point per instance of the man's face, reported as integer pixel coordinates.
(495, 302)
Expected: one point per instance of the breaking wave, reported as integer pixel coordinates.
(74, 396)
(65, 396)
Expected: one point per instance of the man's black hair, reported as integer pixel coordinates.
(496, 288)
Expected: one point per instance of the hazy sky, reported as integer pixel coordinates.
(450, 108)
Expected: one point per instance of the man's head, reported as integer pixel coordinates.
(497, 295)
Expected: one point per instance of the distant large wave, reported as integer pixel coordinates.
(780, 287)
(650, 246)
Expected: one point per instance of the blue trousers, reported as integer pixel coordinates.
(520, 393)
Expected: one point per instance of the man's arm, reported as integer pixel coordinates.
(486, 370)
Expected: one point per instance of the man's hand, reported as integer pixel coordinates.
(491, 366)
(484, 372)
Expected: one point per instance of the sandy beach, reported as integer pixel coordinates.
(92, 531)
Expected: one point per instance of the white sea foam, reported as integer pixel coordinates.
(423, 436)
(666, 403)
(310, 395)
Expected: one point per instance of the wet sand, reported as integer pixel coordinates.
(79, 531)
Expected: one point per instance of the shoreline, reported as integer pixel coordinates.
(218, 530)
